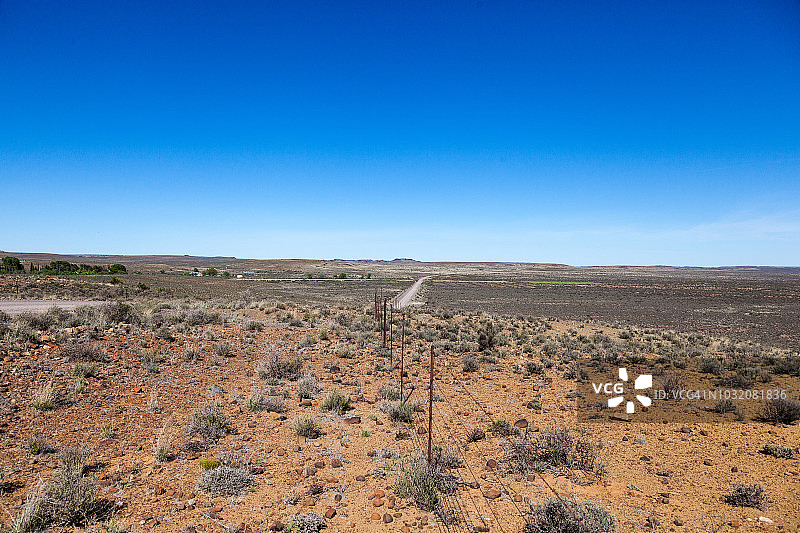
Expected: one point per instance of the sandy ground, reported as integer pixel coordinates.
(15, 307)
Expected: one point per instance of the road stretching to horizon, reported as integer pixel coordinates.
(405, 297)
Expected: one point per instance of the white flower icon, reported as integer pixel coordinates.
(644, 381)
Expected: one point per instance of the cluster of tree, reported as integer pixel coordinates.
(11, 265)
(211, 272)
(65, 267)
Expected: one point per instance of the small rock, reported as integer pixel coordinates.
(387, 518)
(330, 513)
(492, 494)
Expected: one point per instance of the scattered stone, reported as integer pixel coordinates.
(492, 494)
(352, 420)
(330, 513)
(387, 518)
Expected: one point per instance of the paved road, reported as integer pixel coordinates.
(15, 307)
(407, 295)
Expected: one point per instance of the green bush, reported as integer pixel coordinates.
(398, 412)
(781, 452)
(336, 401)
(306, 426)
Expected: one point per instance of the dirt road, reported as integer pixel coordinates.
(15, 307)
(405, 297)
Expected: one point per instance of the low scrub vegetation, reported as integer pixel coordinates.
(743, 495)
(305, 523)
(568, 516)
(781, 411)
(336, 401)
(553, 447)
(274, 368)
(68, 499)
(423, 483)
(225, 481)
(398, 411)
(210, 422)
(781, 452)
(306, 426)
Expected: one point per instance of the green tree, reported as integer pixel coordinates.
(12, 264)
(210, 272)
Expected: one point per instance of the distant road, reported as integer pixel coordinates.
(15, 307)
(407, 295)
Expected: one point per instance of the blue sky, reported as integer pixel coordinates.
(572, 132)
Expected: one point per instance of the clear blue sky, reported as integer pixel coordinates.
(583, 133)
